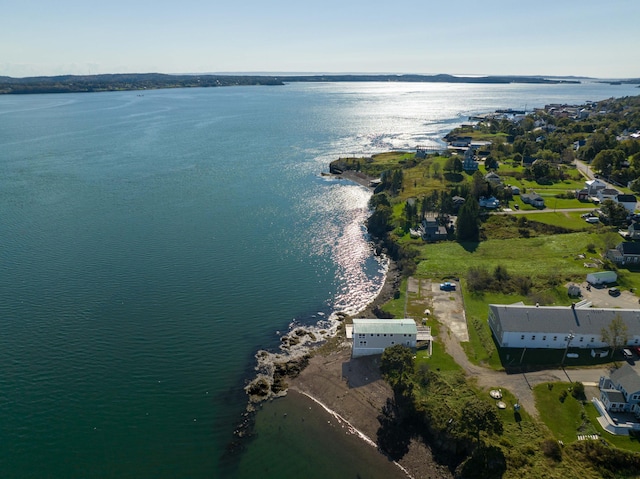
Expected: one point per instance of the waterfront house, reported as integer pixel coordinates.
(620, 392)
(469, 164)
(373, 336)
(557, 327)
(432, 230)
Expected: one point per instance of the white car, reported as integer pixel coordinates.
(592, 219)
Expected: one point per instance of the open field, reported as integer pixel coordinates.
(541, 256)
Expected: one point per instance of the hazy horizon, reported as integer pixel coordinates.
(586, 38)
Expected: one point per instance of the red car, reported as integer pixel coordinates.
(636, 349)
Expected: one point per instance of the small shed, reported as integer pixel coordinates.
(602, 277)
(574, 290)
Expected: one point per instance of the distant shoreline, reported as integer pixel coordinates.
(157, 81)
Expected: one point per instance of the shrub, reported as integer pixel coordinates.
(552, 450)
(578, 391)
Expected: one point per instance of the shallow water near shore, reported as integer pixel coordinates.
(303, 440)
(153, 242)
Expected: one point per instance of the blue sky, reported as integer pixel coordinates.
(559, 37)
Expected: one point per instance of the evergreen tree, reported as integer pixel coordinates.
(468, 228)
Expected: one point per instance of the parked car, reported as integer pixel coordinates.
(592, 219)
(636, 349)
(447, 286)
(627, 353)
(614, 292)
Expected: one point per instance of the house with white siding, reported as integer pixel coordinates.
(628, 201)
(620, 392)
(373, 336)
(557, 327)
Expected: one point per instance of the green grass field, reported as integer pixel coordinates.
(541, 256)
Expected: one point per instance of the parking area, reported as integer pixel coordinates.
(601, 298)
(446, 303)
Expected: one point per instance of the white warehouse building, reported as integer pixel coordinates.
(372, 336)
(521, 326)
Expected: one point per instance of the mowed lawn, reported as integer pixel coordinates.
(540, 256)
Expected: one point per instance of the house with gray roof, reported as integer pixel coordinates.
(550, 327)
(373, 336)
(620, 392)
(627, 252)
(533, 199)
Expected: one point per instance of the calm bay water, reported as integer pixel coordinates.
(151, 243)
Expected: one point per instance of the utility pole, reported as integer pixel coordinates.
(568, 338)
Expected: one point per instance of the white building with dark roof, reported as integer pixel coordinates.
(549, 327)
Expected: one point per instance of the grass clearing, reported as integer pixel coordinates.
(533, 257)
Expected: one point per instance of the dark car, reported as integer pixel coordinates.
(447, 286)
(614, 292)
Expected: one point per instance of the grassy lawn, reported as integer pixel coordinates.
(622, 442)
(541, 256)
(570, 220)
(565, 418)
(569, 418)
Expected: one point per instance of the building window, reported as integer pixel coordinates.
(522, 337)
(581, 338)
(544, 338)
(555, 338)
(533, 338)
(592, 339)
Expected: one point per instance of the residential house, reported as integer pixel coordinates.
(593, 186)
(432, 230)
(627, 252)
(373, 336)
(492, 177)
(607, 194)
(515, 190)
(620, 392)
(533, 199)
(490, 203)
(628, 201)
(469, 163)
(557, 327)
